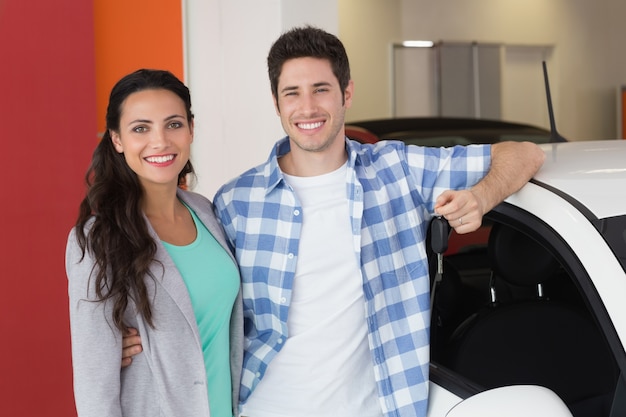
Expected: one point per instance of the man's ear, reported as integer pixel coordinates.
(276, 105)
(117, 143)
(347, 94)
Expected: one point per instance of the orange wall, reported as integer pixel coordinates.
(135, 34)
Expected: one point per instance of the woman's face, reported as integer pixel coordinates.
(154, 136)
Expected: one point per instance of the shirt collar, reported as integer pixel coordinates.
(274, 175)
(354, 157)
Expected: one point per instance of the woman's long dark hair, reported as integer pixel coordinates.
(118, 239)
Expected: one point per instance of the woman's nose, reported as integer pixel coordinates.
(159, 138)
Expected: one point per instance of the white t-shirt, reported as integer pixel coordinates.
(325, 368)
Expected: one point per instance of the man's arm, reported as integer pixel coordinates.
(512, 165)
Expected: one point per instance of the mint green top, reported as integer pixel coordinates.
(212, 280)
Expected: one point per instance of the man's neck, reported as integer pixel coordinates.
(301, 163)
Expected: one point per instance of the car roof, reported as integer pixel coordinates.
(591, 172)
(382, 127)
(446, 131)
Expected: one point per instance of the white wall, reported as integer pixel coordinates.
(586, 65)
(368, 29)
(227, 42)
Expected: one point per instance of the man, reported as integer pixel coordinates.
(329, 235)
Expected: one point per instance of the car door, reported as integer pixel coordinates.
(523, 310)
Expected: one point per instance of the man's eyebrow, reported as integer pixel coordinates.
(289, 88)
(295, 87)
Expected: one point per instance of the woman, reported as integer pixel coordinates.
(146, 254)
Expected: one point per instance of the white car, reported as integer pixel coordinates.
(538, 314)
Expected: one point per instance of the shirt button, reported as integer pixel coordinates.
(296, 212)
(280, 341)
(258, 374)
(283, 300)
(290, 256)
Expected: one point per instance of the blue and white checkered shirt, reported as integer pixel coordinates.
(391, 190)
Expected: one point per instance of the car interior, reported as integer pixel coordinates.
(515, 311)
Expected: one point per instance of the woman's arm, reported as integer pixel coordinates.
(96, 342)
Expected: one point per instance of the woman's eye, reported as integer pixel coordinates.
(139, 129)
(175, 125)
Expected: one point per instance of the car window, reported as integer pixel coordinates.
(515, 310)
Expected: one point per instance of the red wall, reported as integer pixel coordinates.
(47, 130)
(58, 62)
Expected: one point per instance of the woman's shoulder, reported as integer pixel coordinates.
(195, 200)
(77, 256)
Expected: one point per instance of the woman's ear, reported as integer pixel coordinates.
(117, 143)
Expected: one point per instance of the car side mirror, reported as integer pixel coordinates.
(512, 401)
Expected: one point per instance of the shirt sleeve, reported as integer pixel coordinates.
(225, 214)
(436, 170)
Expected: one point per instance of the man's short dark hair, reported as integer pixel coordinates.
(308, 41)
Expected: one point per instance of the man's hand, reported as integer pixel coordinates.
(131, 346)
(512, 165)
(462, 209)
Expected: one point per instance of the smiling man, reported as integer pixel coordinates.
(329, 235)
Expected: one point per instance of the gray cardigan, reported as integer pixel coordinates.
(168, 378)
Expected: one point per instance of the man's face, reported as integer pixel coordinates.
(311, 105)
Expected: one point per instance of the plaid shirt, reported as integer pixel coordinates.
(391, 190)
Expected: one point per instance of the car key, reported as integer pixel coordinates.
(439, 234)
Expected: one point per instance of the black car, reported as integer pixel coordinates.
(446, 131)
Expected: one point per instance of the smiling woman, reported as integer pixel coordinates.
(149, 256)
(155, 136)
